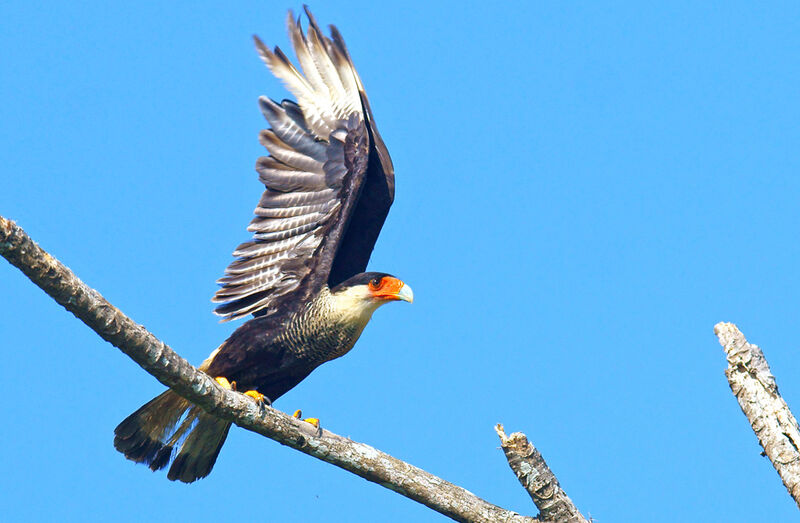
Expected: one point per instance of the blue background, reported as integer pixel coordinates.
(583, 191)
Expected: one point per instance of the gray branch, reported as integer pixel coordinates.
(537, 478)
(754, 387)
(175, 372)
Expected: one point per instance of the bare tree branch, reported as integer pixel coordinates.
(175, 372)
(537, 478)
(754, 387)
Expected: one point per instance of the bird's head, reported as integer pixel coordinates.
(367, 291)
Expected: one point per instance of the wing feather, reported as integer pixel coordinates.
(290, 131)
(283, 178)
(263, 225)
(282, 235)
(285, 154)
(253, 264)
(288, 212)
(318, 155)
(250, 250)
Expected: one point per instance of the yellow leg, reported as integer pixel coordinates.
(299, 414)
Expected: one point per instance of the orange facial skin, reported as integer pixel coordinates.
(387, 289)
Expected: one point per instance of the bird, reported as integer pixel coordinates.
(328, 186)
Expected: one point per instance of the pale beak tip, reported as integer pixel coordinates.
(406, 294)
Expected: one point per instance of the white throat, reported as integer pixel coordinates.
(354, 304)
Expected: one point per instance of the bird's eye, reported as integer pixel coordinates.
(375, 282)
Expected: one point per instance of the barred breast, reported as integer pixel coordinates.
(320, 332)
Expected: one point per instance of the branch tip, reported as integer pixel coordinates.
(536, 477)
(756, 390)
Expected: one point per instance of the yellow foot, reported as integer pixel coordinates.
(299, 414)
(231, 385)
(260, 398)
(224, 383)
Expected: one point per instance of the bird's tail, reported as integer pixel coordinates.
(169, 428)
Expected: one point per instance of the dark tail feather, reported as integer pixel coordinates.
(151, 434)
(199, 452)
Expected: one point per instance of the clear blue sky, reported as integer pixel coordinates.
(583, 191)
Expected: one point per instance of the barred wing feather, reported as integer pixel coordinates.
(319, 152)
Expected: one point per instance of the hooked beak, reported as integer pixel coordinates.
(406, 294)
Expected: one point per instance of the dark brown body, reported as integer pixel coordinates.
(272, 355)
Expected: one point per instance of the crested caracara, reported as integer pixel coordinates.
(329, 185)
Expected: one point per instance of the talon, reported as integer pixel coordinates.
(297, 414)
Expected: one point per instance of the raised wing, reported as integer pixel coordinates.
(320, 180)
(377, 195)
